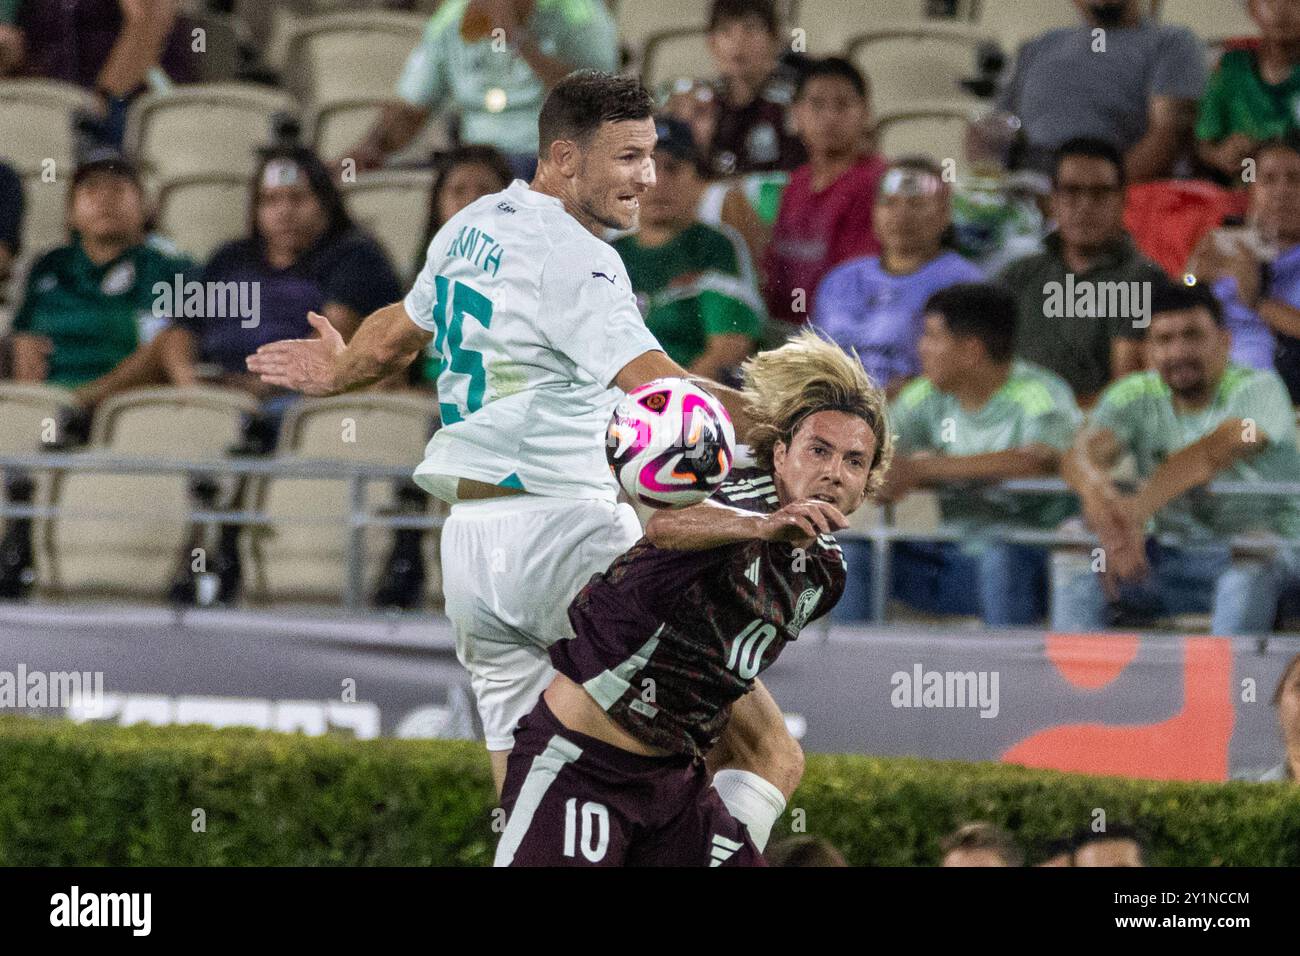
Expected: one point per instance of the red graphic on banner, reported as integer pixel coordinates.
(1190, 745)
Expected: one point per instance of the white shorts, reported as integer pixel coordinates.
(510, 567)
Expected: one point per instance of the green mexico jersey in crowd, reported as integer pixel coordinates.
(1034, 407)
(1238, 100)
(699, 283)
(96, 315)
(1139, 410)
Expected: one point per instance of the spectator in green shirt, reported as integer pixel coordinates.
(1194, 418)
(1070, 323)
(1254, 95)
(977, 415)
(695, 284)
(492, 62)
(89, 304)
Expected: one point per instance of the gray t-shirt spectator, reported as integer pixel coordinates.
(1063, 86)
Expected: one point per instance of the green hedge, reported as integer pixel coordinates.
(99, 794)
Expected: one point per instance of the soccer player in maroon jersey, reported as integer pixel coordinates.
(609, 768)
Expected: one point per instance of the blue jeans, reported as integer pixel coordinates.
(1241, 597)
(1005, 584)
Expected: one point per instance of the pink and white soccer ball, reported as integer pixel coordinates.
(670, 444)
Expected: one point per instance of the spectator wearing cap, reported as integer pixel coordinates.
(695, 284)
(88, 305)
(1194, 418)
(980, 844)
(492, 62)
(1287, 701)
(977, 416)
(742, 118)
(875, 304)
(1118, 77)
(303, 256)
(1255, 271)
(1068, 321)
(11, 217)
(826, 212)
(1253, 94)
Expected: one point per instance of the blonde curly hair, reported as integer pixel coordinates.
(807, 375)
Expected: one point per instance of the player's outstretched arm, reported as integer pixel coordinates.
(649, 366)
(385, 343)
(712, 525)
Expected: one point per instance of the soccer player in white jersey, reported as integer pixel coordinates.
(539, 333)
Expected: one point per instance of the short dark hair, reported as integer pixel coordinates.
(979, 310)
(724, 10)
(587, 99)
(984, 836)
(804, 851)
(1167, 296)
(1114, 831)
(832, 66)
(1092, 148)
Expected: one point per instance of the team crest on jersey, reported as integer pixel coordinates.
(804, 608)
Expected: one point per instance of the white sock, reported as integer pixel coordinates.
(752, 800)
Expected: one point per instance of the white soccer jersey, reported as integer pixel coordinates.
(533, 317)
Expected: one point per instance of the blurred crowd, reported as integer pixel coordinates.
(1105, 287)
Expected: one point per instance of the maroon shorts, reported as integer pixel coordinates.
(573, 800)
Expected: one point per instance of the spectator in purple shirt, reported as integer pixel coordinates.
(303, 255)
(1255, 271)
(875, 304)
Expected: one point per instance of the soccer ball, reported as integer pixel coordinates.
(670, 444)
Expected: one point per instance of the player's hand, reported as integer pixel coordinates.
(800, 522)
(304, 365)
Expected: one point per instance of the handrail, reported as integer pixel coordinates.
(881, 534)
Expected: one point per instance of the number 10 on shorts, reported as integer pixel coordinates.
(594, 840)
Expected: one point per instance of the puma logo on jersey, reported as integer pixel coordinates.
(751, 573)
(722, 850)
(601, 275)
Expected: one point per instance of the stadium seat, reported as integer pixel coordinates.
(223, 37)
(827, 24)
(28, 413)
(187, 423)
(392, 206)
(136, 551)
(911, 63)
(672, 54)
(1012, 22)
(203, 128)
(348, 56)
(336, 127)
(308, 561)
(200, 213)
(45, 219)
(37, 123)
(934, 130)
(639, 21)
(1214, 22)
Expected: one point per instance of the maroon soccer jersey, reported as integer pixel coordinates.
(666, 640)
